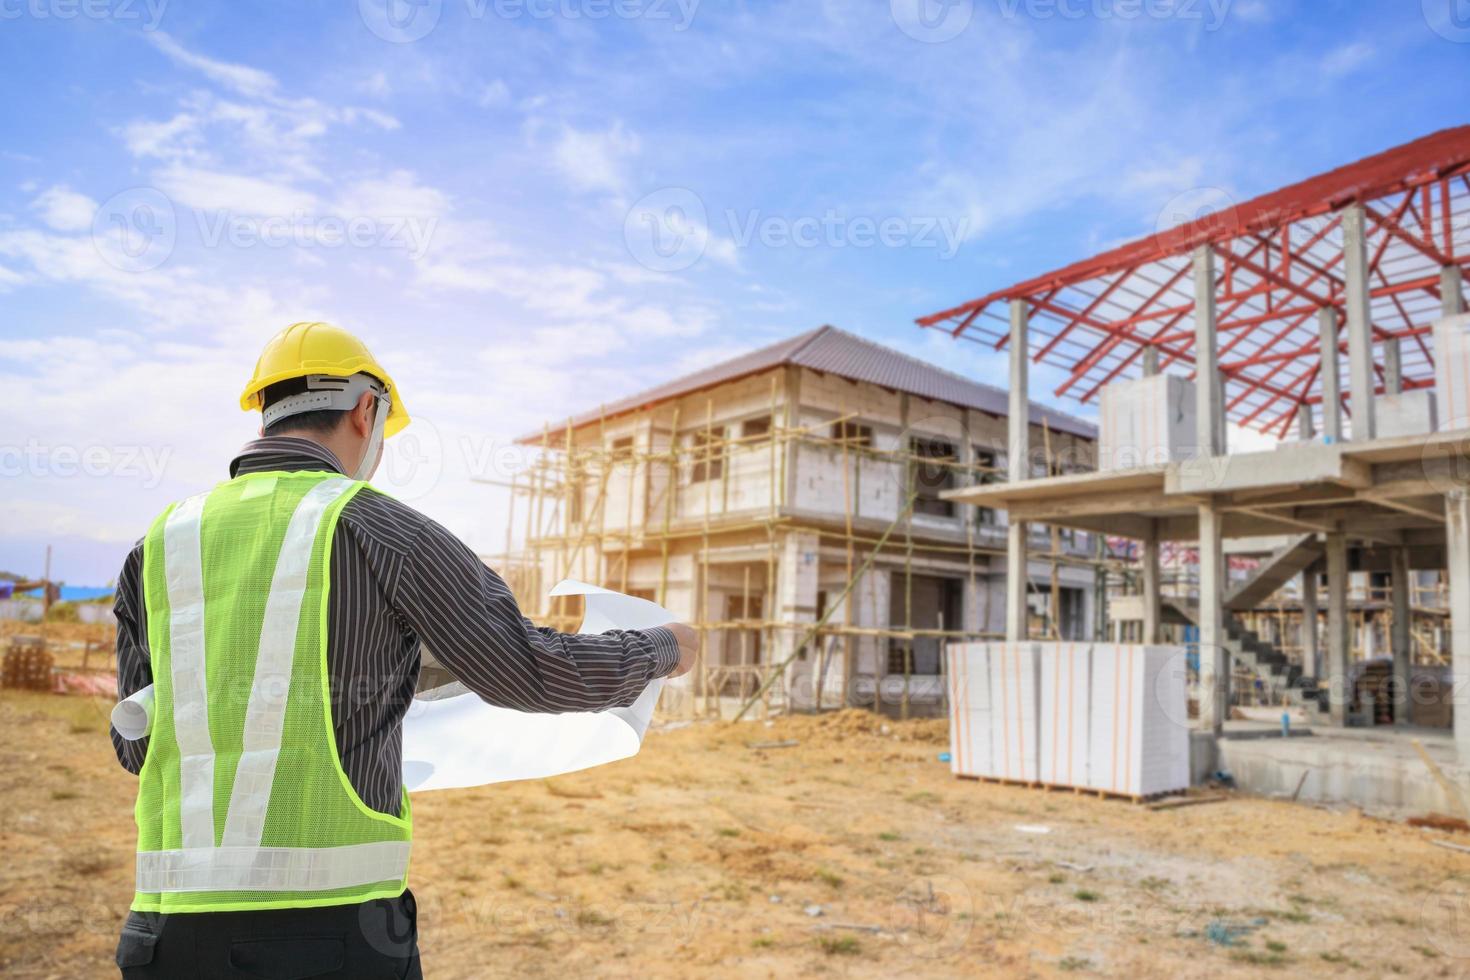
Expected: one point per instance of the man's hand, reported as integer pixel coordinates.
(688, 647)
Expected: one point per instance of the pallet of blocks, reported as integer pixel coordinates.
(1139, 733)
(1102, 717)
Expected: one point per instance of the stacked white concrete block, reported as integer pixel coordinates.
(1066, 710)
(969, 709)
(1452, 371)
(1095, 716)
(1015, 713)
(1146, 421)
(1407, 413)
(1139, 742)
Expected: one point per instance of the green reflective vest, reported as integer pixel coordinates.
(242, 800)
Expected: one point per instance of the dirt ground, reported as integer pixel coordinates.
(852, 853)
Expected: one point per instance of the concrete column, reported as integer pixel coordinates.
(1359, 321)
(1209, 404)
(1402, 638)
(1304, 430)
(1152, 606)
(1214, 659)
(1311, 648)
(1457, 555)
(1019, 463)
(1451, 291)
(1331, 383)
(1393, 367)
(1150, 361)
(796, 602)
(1339, 651)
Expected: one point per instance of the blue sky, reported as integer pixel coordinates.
(532, 206)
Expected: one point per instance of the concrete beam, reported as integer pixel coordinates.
(1339, 652)
(1401, 637)
(1209, 401)
(1214, 659)
(1018, 462)
(1457, 539)
(1331, 382)
(1150, 361)
(1359, 321)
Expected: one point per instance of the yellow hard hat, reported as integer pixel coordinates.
(304, 349)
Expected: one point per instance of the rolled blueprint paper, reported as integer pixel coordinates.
(132, 717)
(452, 739)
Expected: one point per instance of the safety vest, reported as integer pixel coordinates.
(242, 800)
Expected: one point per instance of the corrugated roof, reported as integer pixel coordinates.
(833, 351)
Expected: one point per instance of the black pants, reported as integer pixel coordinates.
(377, 939)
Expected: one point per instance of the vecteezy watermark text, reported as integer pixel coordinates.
(150, 12)
(137, 229)
(303, 230)
(403, 21)
(936, 21)
(668, 230)
(37, 459)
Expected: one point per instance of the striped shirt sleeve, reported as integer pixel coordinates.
(467, 617)
(134, 671)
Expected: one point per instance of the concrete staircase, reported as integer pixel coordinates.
(1285, 681)
(1280, 567)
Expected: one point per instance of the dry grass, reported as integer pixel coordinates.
(703, 856)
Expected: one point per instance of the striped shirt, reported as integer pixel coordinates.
(401, 581)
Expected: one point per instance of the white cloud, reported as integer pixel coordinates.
(208, 190)
(64, 209)
(240, 78)
(1347, 59)
(593, 161)
(494, 95)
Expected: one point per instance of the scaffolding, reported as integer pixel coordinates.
(599, 500)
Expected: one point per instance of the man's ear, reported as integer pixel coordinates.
(362, 414)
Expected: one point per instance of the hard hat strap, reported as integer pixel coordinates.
(324, 392)
(375, 441)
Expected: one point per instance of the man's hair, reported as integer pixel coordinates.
(320, 422)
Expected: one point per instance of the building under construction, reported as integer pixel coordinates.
(790, 504)
(1330, 314)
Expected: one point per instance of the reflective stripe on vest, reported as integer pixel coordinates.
(240, 872)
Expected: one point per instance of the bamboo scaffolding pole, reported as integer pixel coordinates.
(781, 667)
(846, 539)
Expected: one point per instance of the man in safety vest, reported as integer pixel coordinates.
(279, 618)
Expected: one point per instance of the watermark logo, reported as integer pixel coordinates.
(135, 230)
(1209, 208)
(303, 230)
(667, 231)
(143, 463)
(413, 461)
(932, 21)
(1445, 917)
(1447, 468)
(1450, 19)
(400, 21)
(404, 21)
(150, 12)
(1211, 12)
(931, 917)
